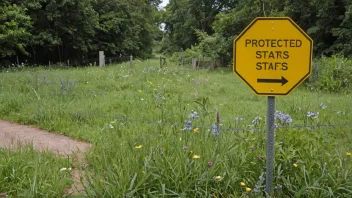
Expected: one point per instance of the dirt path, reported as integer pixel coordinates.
(11, 134)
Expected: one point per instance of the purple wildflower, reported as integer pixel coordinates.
(278, 187)
(215, 130)
(284, 118)
(210, 164)
(312, 114)
(193, 115)
(188, 125)
(185, 148)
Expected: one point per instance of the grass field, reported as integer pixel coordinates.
(136, 120)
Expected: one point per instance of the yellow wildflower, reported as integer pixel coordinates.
(348, 154)
(248, 189)
(243, 184)
(139, 91)
(295, 165)
(196, 130)
(218, 178)
(196, 156)
(138, 147)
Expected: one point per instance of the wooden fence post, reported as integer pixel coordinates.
(101, 59)
(194, 63)
(131, 61)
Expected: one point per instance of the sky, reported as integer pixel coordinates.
(164, 3)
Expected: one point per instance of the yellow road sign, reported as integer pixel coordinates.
(273, 55)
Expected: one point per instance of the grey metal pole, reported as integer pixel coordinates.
(270, 144)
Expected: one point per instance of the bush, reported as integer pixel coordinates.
(332, 74)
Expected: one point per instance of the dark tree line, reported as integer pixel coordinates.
(211, 25)
(56, 30)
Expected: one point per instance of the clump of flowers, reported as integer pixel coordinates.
(256, 120)
(138, 147)
(196, 130)
(312, 114)
(239, 119)
(278, 187)
(348, 154)
(196, 157)
(159, 96)
(295, 165)
(215, 130)
(188, 125)
(284, 118)
(259, 184)
(218, 178)
(193, 115)
(111, 124)
(322, 106)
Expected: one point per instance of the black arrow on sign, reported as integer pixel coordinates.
(282, 80)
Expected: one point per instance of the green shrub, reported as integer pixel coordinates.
(332, 74)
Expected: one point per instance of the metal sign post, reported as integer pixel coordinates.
(270, 119)
(273, 55)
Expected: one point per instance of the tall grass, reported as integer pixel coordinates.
(135, 119)
(28, 173)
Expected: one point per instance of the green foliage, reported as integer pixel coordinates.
(212, 46)
(184, 17)
(343, 43)
(118, 109)
(14, 26)
(331, 75)
(59, 30)
(328, 22)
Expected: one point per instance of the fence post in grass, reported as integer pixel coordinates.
(101, 58)
(194, 63)
(68, 63)
(212, 63)
(182, 60)
(49, 63)
(270, 126)
(36, 81)
(160, 62)
(131, 61)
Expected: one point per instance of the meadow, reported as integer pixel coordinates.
(153, 131)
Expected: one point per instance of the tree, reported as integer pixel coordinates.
(14, 25)
(343, 32)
